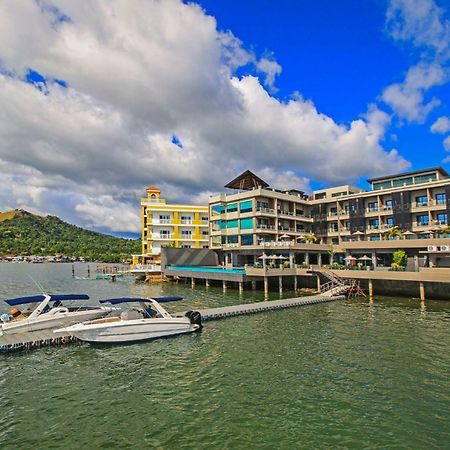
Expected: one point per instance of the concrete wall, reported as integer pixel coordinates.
(188, 257)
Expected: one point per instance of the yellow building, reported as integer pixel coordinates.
(180, 226)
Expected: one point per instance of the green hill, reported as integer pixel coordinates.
(23, 233)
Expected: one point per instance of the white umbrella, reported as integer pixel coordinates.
(284, 236)
(365, 258)
(282, 257)
(350, 258)
(264, 256)
(358, 233)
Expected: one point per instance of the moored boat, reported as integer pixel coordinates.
(46, 312)
(149, 321)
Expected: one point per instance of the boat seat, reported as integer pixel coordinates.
(131, 315)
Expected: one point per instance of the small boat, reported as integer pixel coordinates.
(149, 321)
(48, 314)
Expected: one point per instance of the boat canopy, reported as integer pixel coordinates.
(41, 297)
(115, 301)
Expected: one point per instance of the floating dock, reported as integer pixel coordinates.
(36, 339)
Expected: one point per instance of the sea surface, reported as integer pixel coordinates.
(350, 374)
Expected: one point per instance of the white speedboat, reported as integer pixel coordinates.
(149, 321)
(47, 312)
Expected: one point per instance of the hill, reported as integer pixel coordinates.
(23, 233)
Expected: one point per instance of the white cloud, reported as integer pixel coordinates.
(137, 76)
(407, 99)
(447, 143)
(442, 125)
(421, 22)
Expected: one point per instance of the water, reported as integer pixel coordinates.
(346, 374)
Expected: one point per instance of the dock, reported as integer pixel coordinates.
(37, 339)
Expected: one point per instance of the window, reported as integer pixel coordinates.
(374, 238)
(204, 233)
(164, 234)
(262, 205)
(372, 206)
(422, 200)
(217, 209)
(164, 218)
(425, 178)
(186, 234)
(186, 246)
(233, 239)
(247, 239)
(347, 225)
(374, 224)
(390, 221)
(204, 218)
(442, 218)
(347, 209)
(441, 199)
(246, 206)
(382, 185)
(333, 211)
(388, 204)
(232, 223)
(333, 226)
(186, 219)
(422, 220)
(232, 207)
(247, 224)
(402, 182)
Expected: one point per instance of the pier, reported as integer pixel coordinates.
(37, 339)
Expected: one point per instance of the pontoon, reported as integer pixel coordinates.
(48, 314)
(149, 321)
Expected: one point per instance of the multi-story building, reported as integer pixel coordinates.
(180, 226)
(341, 219)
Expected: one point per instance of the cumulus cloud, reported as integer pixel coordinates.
(134, 77)
(442, 125)
(447, 143)
(422, 24)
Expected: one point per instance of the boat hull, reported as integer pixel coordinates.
(52, 321)
(131, 330)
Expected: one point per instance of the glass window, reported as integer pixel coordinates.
(233, 239)
(442, 218)
(441, 199)
(425, 178)
(422, 219)
(164, 218)
(247, 224)
(373, 206)
(186, 234)
(402, 182)
(374, 223)
(390, 221)
(232, 223)
(164, 234)
(217, 209)
(388, 204)
(382, 185)
(422, 200)
(374, 238)
(247, 239)
(246, 206)
(232, 207)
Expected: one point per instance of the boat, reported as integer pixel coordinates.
(148, 321)
(46, 312)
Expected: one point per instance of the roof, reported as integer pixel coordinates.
(153, 188)
(246, 181)
(414, 172)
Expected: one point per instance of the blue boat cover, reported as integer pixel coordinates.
(39, 298)
(115, 301)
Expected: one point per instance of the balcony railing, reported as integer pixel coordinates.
(261, 226)
(265, 210)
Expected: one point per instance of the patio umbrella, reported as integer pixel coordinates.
(358, 233)
(284, 236)
(263, 256)
(350, 258)
(408, 233)
(301, 237)
(365, 258)
(282, 257)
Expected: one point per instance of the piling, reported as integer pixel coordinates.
(254, 285)
(241, 287)
(280, 284)
(73, 270)
(422, 290)
(224, 285)
(266, 286)
(295, 283)
(207, 283)
(370, 288)
(193, 282)
(318, 284)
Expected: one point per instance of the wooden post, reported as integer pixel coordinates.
(422, 290)
(207, 283)
(193, 282)
(224, 285)
(73, 270)
(370, 289)
(254, 285)
(318, 284)
(266, 286)
(241, 287)
(295, 283)
(280, 284)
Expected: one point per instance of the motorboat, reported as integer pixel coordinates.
(149, 320)
(47, 311)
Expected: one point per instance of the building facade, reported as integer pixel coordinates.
(180, 226)
(343, 220)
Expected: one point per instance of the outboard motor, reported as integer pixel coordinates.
(195, 317)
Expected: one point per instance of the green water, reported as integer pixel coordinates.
(347, 374)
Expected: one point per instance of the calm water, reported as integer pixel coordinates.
(348, 374)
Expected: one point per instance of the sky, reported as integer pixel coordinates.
(100, 99)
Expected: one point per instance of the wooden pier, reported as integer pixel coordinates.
(36, 339)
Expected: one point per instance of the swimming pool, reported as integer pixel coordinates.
(207, 269)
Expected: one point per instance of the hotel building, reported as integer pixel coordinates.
(342, 220)
(180, 226)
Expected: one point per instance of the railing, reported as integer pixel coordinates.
(265, 210)
(264, 227)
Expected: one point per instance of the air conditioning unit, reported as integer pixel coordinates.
(445, 248)
(432, 248)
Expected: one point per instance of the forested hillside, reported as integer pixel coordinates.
(22, 233)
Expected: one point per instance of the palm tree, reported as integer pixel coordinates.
(310, 238)
(393, 233)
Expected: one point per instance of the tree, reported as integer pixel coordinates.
(400, 259)
(393, 233)
(310, 238)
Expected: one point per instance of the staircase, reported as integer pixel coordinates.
(337, 285)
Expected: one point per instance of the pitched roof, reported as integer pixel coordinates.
(246, 181)
(153, 188)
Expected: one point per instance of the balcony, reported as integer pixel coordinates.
(261, 226)
(265, 210)
(186, 222)
(422, 224)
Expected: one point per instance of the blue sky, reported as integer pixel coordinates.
(339, 55)
(100, 99)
